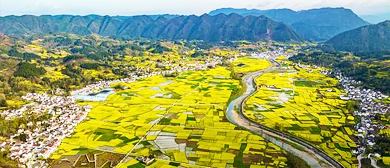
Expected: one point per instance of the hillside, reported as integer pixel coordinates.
(372, 38)
(208, 28)
(314, 24)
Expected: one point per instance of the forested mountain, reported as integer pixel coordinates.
(371, 38)
(314, 24)
(208, 28)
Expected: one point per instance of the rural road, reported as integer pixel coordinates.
(313, 156)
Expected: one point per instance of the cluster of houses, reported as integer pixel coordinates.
(41, 104)
(146, 160)
(308, 67)
(42, 138)
(269, 54)
(368, 109)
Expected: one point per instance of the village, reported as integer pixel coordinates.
(368, 108)
(270, 54)
(42, 139)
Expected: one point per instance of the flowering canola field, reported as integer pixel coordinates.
(180, 120)
(306, 104)
(245, 64)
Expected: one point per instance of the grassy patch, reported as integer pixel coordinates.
(295, 161)
(305, 83)
(107, 134)
(138, 165)
(238, 159)
(174, 164)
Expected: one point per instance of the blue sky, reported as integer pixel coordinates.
(186, 7)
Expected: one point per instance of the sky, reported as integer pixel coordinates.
(183, 7)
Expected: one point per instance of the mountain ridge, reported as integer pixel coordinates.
(206, 27)
(314, 24)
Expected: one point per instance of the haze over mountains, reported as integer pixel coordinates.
(371, 38)
(208, 28)
(375, 19)
(314, 24)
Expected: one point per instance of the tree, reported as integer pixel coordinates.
(71, 57)
(198, 53)
(352, 105)
(89, 65)
(14, 52)
(30, 56)
(5, 161)
(3, 103)
(29, 70)
(23, 137)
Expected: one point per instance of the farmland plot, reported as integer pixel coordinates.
(306, 104)
(180, 120)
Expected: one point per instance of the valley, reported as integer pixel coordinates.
(233, 87)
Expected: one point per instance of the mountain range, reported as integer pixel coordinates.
(209, 28)
(314, 24)
(371, 38)
(345, 29)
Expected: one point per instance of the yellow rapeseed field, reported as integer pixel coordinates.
(182, 118)
(305, 103)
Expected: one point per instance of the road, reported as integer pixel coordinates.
(313, 156)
